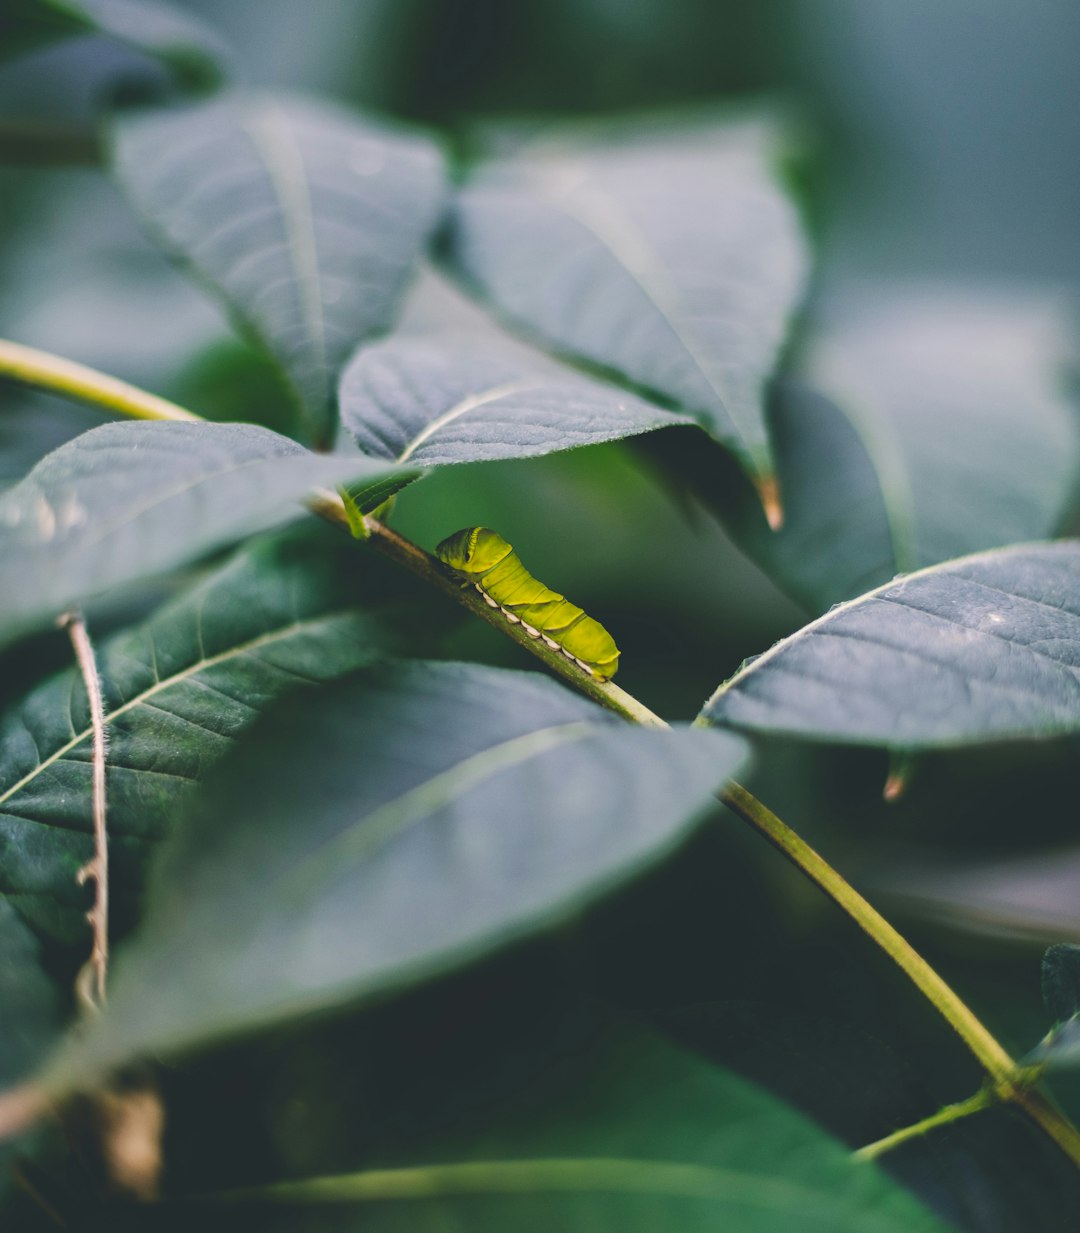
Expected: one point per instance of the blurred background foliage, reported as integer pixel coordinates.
(940, 140)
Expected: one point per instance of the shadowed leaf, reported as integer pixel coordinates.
(979, 649)
(384, 829)
(131, 499)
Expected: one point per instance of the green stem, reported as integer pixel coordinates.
(989, 1053)
(1007, 1082)
(71, 380)
(414, 558)
(982, 1099)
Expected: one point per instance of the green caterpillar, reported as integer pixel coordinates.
(492, 567)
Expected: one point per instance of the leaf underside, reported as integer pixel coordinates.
(984, 648)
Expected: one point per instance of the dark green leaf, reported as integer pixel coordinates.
(306, 219)
(385, 829)
(671, 258)
(130, 499)
(836, 540)
(979, 649)
(178, 690)
(32, 1011)
(1061, 993)
(191, 49)
(636, 1137)
(1061, 981)
(437, 400)
(32, 1008)
(948, 430)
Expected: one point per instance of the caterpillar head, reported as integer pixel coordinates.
(474, 550)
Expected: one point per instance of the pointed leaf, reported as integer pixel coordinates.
(387, 828)
(635, 1136)
(130, 499)
(675, 261)
(437, 400)
(179, 40)
(984, 648)
(307, 220)
(178, 690)
(947, 429)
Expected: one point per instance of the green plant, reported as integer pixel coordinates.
(308, 828)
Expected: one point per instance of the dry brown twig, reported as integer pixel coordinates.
(90, 983)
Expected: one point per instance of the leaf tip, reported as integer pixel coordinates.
(897, 781)
(768, 490)
(895, 787)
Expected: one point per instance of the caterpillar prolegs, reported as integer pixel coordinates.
(491, 565)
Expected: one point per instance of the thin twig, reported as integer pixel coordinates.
(28, 1186)
(90, 983)
(56, 375)
(390, 544)
(990, 1055)
(983, 1099)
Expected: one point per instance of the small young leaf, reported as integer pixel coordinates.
(307, 220)
(131, 499)
(983, 648)
(384, 829)
(671, 258)
(437, 400)
(193, 51)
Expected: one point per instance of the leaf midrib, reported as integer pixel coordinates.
(940, 567)
(568, 1175)
(267, 127)
(471, 403)
(646, 274)
(388, 820)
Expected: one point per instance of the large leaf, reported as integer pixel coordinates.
(307, 220)
(447, 399)
(948, 429)
(177, 691)
(633, 1136)
(384, 829)
(130, 499)
(673, 259)
(983, 648)
(179, 40)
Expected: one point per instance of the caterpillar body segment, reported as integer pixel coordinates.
(491, 565)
